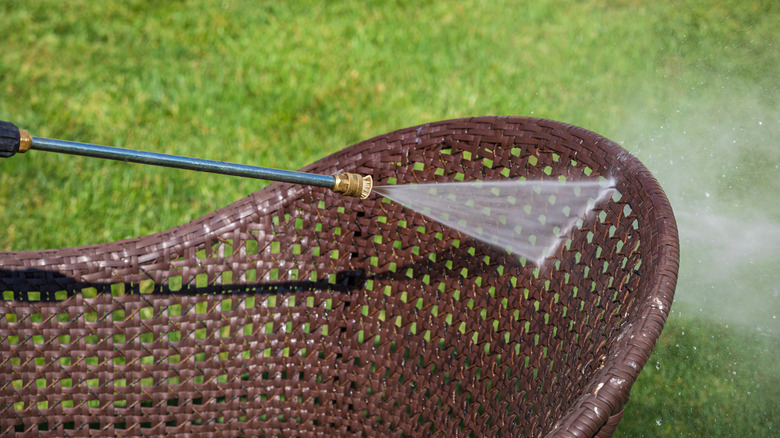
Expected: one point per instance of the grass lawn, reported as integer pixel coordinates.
(282, 84)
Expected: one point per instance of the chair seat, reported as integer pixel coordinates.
(299, 312)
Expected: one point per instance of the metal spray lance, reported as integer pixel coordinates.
(14, 140)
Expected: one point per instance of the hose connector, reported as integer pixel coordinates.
(13, 140)
(352, 184)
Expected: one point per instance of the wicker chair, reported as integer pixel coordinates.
(299, 312)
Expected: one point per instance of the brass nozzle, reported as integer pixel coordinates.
(352, 184)
(25, 141)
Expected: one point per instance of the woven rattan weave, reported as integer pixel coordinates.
(299, 312)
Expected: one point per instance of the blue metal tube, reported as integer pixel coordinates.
(179, 162)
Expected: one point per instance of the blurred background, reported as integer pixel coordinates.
(690, 87)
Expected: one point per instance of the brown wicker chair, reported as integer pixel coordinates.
(296, 311)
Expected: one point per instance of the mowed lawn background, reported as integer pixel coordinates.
(282, 84)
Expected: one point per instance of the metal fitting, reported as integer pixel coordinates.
(352, 184)
(25, 141)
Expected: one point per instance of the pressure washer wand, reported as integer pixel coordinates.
(13, 140)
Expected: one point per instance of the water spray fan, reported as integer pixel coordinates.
(14, 140)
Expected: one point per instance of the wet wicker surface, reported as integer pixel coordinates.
(299, 312)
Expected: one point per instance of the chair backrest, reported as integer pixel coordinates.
(296, 311)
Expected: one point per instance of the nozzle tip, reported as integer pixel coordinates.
(352, 184)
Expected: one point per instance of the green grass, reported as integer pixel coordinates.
(707, 379)
(282, 84)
